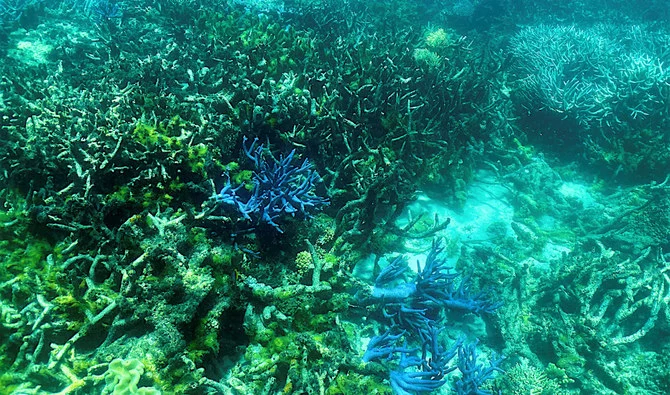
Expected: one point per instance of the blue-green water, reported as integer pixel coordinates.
(334, 197)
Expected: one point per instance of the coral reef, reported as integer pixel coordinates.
(148, 246)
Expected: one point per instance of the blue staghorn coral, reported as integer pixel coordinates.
(434, 285)
(280, 188)
(414, 311)
(474, 374)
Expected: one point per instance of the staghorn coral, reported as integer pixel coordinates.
(279, 188)
(414, 309)
(601, 88)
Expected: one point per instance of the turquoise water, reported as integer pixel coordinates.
(334, 197)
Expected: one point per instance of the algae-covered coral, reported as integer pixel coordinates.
(334, 197)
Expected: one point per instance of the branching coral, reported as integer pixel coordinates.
(279, 188)
(598, 86)
(413, 308)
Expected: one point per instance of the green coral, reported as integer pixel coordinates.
(123, 376)
(427, 57)
(164, 134)
(437, 38)
(435, 49)
(525, 379)
(197, 155)
(355, 383)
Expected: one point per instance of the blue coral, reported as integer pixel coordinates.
(280, 188)
(413, 308)
(435, 285)
(474, 374)
(106, 10)
(383, 347)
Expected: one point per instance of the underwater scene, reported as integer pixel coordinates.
(327, 197)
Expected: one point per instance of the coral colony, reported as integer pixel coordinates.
(414, 311)
(279, 188)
